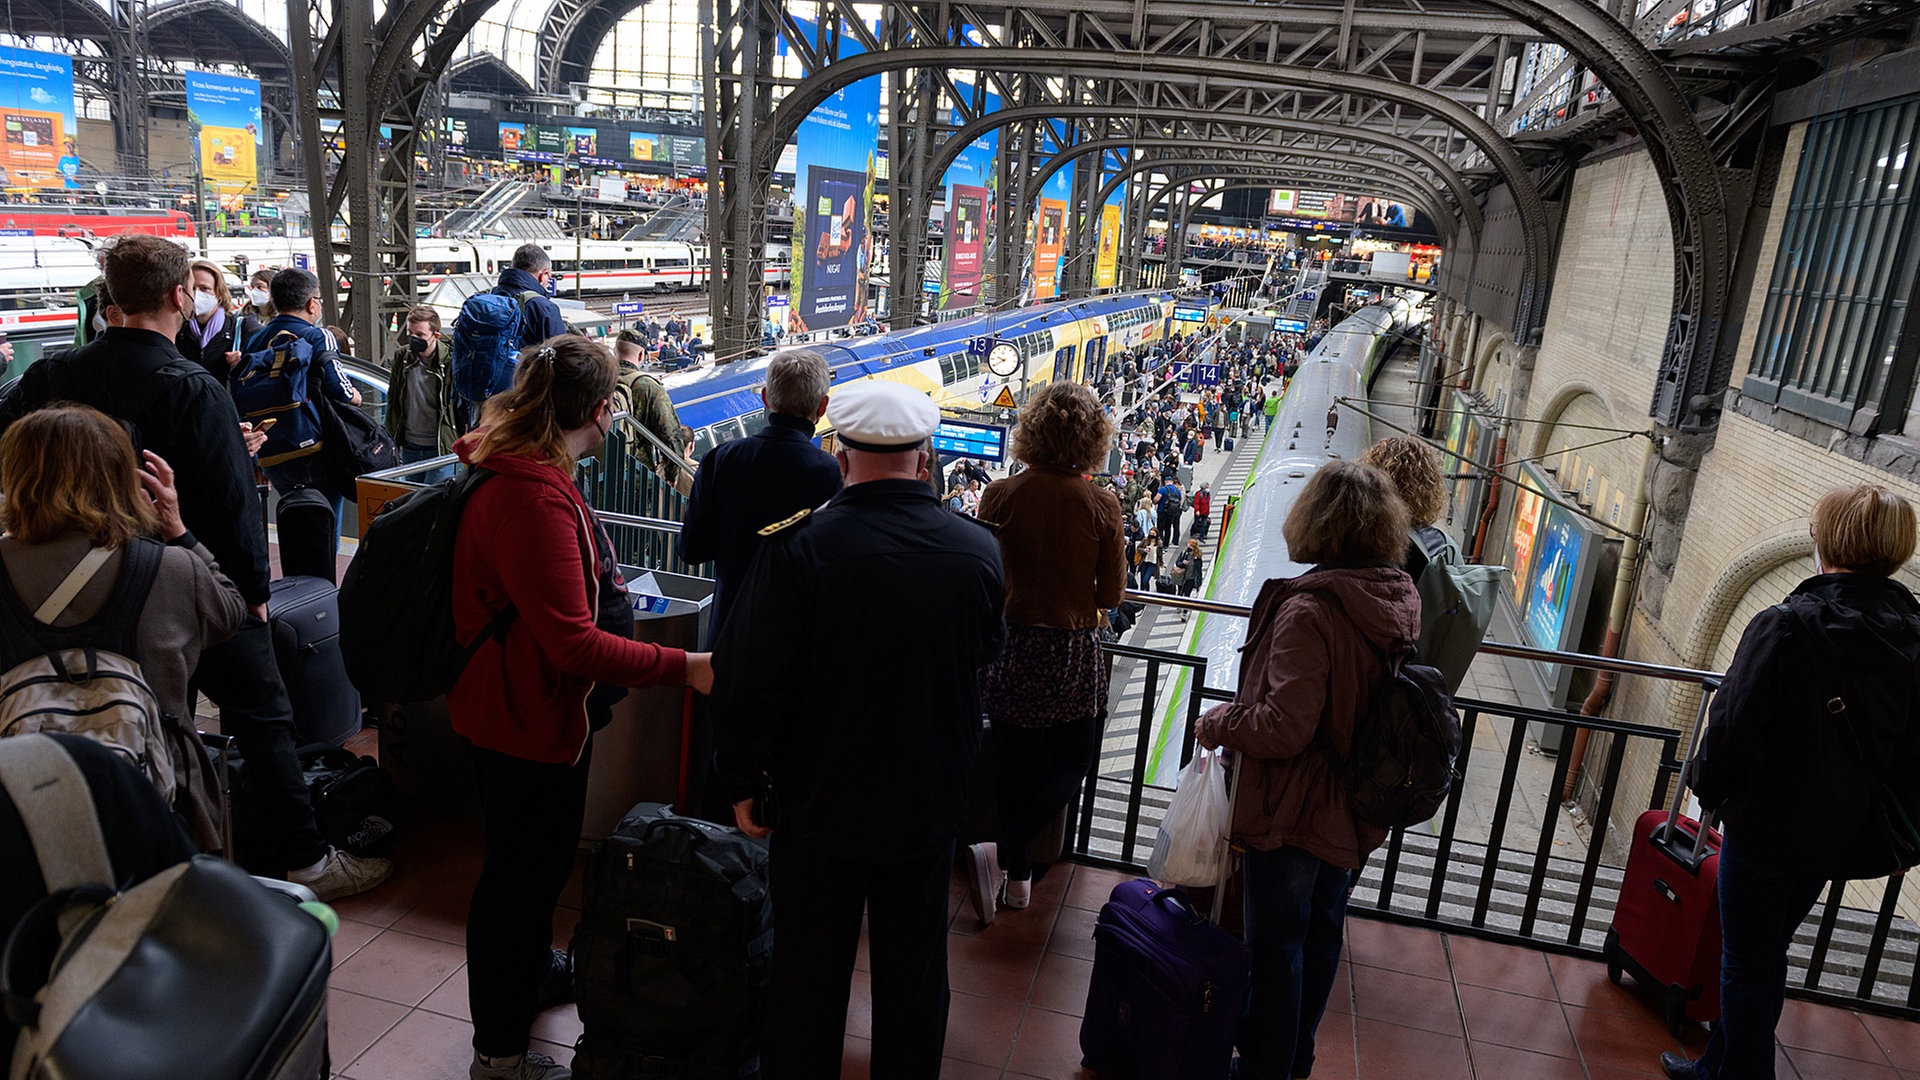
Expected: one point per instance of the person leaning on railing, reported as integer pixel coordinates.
(1809, 758)
(1316, 645)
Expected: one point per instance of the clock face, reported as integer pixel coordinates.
(1004, 360)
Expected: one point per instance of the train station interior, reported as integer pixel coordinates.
(1636, 272)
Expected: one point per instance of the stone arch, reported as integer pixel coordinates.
(1563, 399)
(1718, 607)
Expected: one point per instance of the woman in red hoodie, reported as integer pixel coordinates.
(528, 539)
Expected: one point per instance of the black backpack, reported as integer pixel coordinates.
(672, 956)
(396, 603)
(1402, 763)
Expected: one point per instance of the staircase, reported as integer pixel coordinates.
(484, 213)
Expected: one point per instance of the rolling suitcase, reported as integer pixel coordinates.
(304, 613)
(672, 956)
(1167, 992)
(1666, 927)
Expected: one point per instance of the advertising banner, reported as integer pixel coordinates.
(550, 140)
(513, 138)
(1526, 531)
(583, 142)
(642, 146)
(971, 183)
(223, 115)
(1106, 262)
(39, 137)
(1050, 225)
(832, 227)
(1550, 588)
(691, 150)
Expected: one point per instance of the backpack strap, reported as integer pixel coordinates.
(56, 806)
(120, 618)
(70, 586)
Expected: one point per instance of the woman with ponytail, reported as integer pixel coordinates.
(528, 542)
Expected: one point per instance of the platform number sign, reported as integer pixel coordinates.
(980, 346)
(630, 307)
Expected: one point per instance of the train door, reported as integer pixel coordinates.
(1096, 358)
(1063, 368)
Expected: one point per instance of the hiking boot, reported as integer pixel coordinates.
(527, 1066)
(985, 883)
(342, 875)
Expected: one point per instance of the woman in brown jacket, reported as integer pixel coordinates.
(1046, 695)
(1317, 644)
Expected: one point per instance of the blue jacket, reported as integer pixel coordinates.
(742, 487)
(543, 315)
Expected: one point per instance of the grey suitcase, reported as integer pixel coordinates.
(304, 613)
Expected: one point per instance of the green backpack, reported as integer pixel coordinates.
(1456, 605)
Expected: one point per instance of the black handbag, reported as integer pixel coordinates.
(352, 444)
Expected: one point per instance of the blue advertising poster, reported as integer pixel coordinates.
(835, 153)
(39, 136)
(1053, 220)
(972, 186)
(1552, 577)
(223, 117)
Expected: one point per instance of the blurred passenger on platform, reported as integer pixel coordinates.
(422, 415)
(260, 294)
(1064, 554)
(134, 373)
(645, 401)
(213, 336)
(852, 704)
(523, 587)
(1316, 644)
(1809, 757)
(528, 279)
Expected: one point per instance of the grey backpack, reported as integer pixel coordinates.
(1456, 606)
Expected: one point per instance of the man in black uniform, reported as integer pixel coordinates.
(847, 676)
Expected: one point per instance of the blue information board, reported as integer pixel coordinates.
(630, 307)
(1292, 326)
(958, 438)
(1205, 375)
(982, 345)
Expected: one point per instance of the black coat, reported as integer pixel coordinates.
(1775, 764)
(179, 411)
(743, 486)
(214, 356)
(849, 672)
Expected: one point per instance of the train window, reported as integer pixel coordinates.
(728, 430)
(755, 421)
(702, 442)
(949, 372)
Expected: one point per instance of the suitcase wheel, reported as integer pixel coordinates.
(1611, 952)
(1673, 1008)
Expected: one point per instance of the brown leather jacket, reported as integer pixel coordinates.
(1061, 544)
(1305, 676)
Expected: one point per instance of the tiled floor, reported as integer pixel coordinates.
(1409, 1003)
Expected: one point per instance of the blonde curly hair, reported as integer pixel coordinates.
(1414, 468)
(1063, 425)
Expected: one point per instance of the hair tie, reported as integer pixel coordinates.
(546, 353)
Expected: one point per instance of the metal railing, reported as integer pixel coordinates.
(1532, 870)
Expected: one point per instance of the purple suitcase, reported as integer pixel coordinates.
(1168, 989)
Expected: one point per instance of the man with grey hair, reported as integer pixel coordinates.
(741, 488)
(530, 280)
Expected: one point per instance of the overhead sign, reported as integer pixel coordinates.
(1205, 374)
(1005, 400)
(40, 144)
(1187, 314)
(630, 307)
(223, 112)
(1292, 326)
(958, 438)
(982, 345)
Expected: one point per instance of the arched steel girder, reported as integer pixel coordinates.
(74, 20)
(571, 35)
(1404, 180)
(160, 16)
(500, 71)
(780, 126)
(1278, 172)
(1456, 185)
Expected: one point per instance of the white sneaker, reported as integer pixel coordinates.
(986, 880)
(1017, 895)
(527, 1066)
(342, 874)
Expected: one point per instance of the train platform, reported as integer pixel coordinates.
(1410, 1004)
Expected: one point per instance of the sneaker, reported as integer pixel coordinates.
(986, 880)
(557, 987)
(1017, 894)
(342, 875)
(527, 1066)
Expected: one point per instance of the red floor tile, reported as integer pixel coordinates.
(1073, 933)
(1333, 1057)
(399, 967)
(1406, 1000)
(1091, 886)
(1392, 1052)
(355, 1022)
(860, 1006)
(1620, 1040)
(1584, 983)
(1062, 984)
(1898, 1039)
(1812, 1066)
(981, 1030)
(1507, 968)
(424, 1046)
(1508, 1063)
(1834, 1032)
(348, 939)
(1399, 948)
(955, 1069)
(1340, 1000)
(1049, 1046)
(991, 967)
(1518, 1021)
(450, 999)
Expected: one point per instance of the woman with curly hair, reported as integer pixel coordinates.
(1046, 694)
(1414, 468)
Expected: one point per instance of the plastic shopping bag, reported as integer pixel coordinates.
(1190, 847)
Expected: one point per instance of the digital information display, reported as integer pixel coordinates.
(1292, 326)
(958, 438)
(1187, 314)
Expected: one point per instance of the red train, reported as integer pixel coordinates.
(35, 219)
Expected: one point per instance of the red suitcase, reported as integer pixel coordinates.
(1666, 928)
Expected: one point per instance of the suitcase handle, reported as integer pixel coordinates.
(1708, 687)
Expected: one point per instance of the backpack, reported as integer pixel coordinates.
(272, 383)
(356, 444)
(1456, 605)
(82, 679)
(486, 343)
(1401, 765)
(396, 602)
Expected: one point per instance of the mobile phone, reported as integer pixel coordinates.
(265, 424)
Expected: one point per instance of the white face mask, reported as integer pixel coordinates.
(204, 303)
(258, 297)
(99, 323)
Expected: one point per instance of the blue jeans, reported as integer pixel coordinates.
(411, 454)
(1296, 906)
(1759, 910)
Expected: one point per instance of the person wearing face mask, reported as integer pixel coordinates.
(259, 298)
(420, 408)
(134, 373)
(213, 335)
(527, 540)
(292, 455)
(531, 280)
